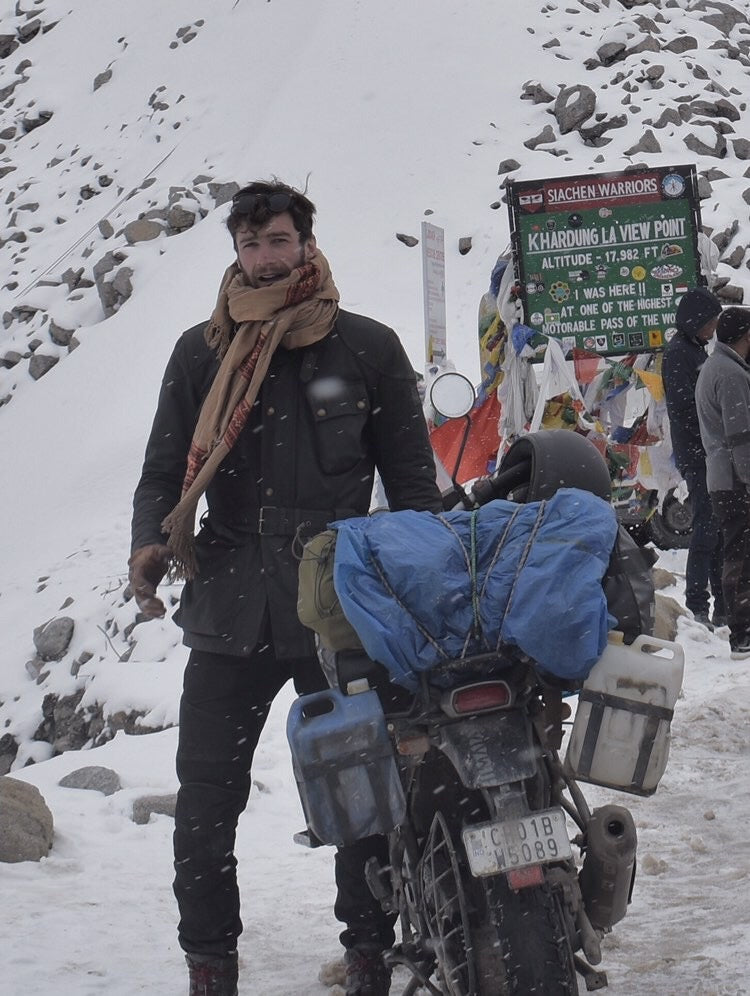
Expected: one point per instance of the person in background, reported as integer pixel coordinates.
(278, 409)
(697, 314)
(723, 404)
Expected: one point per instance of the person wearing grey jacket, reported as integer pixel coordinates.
(697, 314)
(722, 398)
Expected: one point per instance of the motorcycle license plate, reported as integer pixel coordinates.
(503, 845)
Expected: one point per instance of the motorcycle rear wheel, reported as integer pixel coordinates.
(531, 929)
(490, 940)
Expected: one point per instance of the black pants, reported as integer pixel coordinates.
(732, 509)
(704, 559)
(224, 706)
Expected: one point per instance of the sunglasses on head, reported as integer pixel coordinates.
(246, 202)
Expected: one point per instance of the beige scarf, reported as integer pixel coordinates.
(247, 325)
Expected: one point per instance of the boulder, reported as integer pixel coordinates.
(662, 578)
(547, 134)
(666, 614)
(647, 143)
(574, 105)
(93, 778)
(26, 824)
(142, 230)
(52, 638)
(163, 805)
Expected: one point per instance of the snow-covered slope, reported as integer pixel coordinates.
(392, 113)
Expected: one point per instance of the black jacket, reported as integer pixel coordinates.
(327, 415)
(683, 358)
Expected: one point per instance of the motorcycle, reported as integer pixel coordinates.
(503, 879)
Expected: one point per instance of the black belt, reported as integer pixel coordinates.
(272, 521)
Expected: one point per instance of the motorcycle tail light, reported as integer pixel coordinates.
(480, 697)
(524, 878)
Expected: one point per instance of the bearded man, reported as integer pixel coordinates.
(278, 409)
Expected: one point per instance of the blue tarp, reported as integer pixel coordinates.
(404, 580)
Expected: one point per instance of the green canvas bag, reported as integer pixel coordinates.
(318, 606)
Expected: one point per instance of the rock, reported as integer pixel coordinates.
(107, 263)
(82, 659)
(28, 30)
(29, 124)
(222, 192)
(683, 43)
(647, 44)
(93, 778)
(741, 148)
(122, 285)
(507, 166)
(11, 358)
(610, 52)
(62, 725)
(105, 229)
(715, 109)
(40, 364)
(464, 245)
(34, 667)
(592, 134)
(647, 143)
(705, 190)
(179, 219)
(695, 144)
(666, 614)
(8, 752)
(734, 259)
(163, 805)
(714, 174)
(408, 240)
(101, 78)
(724, 18)
(142, 230)
(52, 638)
(26, 824)
(72, 277)
(722, 239)
(547, 134)
(653, 74)
(59, 335)
(574, 105)
(535, 92)
(662, 578)
(8, 45)
(730, 294)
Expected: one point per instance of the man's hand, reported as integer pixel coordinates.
(148, 565)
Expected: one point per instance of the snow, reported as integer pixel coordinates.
(397, 113)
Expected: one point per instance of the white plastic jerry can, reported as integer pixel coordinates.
(620, 735)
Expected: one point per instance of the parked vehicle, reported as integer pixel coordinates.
(503, 879)
(667, 525)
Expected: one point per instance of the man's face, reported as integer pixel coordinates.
(706, 331)
(269, 253)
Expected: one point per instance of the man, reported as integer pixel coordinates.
(279, 409)
(723, 400)
(697, 314)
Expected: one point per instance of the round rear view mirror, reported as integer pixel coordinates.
(452, 395)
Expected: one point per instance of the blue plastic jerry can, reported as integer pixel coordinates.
(344, 766)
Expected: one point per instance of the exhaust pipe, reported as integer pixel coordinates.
(606, 878)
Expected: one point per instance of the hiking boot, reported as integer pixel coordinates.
(719, 619)
(211, 976)
(740, 652)
(702, 618)
(366, 972)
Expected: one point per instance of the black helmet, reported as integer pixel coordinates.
(537, 464)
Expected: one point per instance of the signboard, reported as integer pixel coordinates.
(602, 259)
(433, 289)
